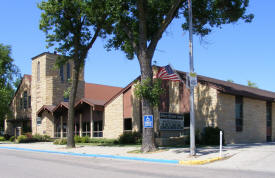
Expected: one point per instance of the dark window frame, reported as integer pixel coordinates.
(29, 101)
(127, 124)
(61, 73)
(68, 71)
(239, 113)
(25, 99)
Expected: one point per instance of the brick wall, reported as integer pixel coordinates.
(273, 121)
(113, 118)
(50, 89)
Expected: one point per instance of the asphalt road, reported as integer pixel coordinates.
(21, 164)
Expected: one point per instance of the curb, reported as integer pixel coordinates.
(94, 155)
(201, 162)
(182, 162)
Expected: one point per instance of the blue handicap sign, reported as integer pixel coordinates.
(148, 121)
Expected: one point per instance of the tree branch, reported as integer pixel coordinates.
(142, 24)
(170, 16)
(130, 36)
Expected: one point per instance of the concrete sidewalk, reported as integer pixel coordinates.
(178, 154)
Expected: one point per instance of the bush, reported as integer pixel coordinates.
(77, 139)
(21, 139)
(85, 139)
(2, 139)
(61, 141)
(7, 136)
(12, 138)
(211, 136)
(130, 138)
(41, 138)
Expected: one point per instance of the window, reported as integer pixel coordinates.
(97, 129)
(61, 73)
(239, 113)
(21, 103)
(268, 121)
(25, 99)
(38, 71)
(86, 129)
(128, 124)
(38, 120)
(29, 101)
(68, 71)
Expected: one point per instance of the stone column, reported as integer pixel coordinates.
(80, 125)
(61, 125)
(91, 121)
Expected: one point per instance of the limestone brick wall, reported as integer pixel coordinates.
(174, 97)
(136, 114)
(50, 89)
(113, 118)
(273, 121)
(47, 124)
(254, 120)
(16, 110)
(206, 106)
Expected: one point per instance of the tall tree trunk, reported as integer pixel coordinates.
(148, 138)
(70, 135)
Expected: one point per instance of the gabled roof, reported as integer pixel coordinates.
(25, 77)
(101, 93)
(233, 88)
(61, 105)
(49, 108)
(96, 104)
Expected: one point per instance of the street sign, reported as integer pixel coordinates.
(192, 79)
(148, 121)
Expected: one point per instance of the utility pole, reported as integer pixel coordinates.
(192, 114)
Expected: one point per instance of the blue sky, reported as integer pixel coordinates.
(239, 51)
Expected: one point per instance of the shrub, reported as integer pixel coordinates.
(12, 138)
(211, 136)
(22, 139)
(7, 136)
(85, 139)
(130, 138)
(41, 138)
(77, 139)
(61, 141)
(2, 139)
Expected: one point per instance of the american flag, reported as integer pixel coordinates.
(167, 73)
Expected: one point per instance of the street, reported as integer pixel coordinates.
(23, 164)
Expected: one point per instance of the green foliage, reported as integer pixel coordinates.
(77, 139)
(12, 138)
(22, 139)
(8, 72)
(130, 138)
(2, 139)
(150, 92)
(229, 80)
(61, 141)
(85, 139)
(211, 136)
(251, 84)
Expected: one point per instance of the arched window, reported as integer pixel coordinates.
(68, 71)
(61, 73)
(38, 71)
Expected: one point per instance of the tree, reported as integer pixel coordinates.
(230, 80)
(251, 84)
(8, 72)
(73, 27)
(139, 25)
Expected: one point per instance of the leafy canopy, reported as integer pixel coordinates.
(207, 14)
(73, 26)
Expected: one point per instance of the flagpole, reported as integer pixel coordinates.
(192, 114)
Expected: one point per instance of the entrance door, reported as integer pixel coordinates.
(268, 121)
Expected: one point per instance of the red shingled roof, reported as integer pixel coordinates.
(100, 93)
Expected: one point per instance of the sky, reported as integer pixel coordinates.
(239, 51)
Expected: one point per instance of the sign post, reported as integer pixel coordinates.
(192, 114)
